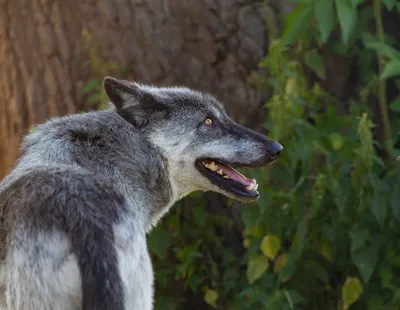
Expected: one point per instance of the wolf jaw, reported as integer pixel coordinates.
(227, 178)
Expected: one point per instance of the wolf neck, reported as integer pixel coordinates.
(177, 190)
(166, 193)
(154, 193)
(175, 163)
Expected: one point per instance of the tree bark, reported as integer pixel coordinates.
(39, 68)
(208, 45)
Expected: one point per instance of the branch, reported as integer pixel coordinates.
(383, 106)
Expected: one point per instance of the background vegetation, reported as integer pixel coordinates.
(320, 76)
(325, 232)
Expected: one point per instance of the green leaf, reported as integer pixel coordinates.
(337, 141)
(389, 4)
(355, 3)
(395, 204)
(256, 267)
(211, 297)
(281, 262)
(358, 238)
(386, 273)
(395, 104)
(270, 246)
(379, 207)
(365, 260)
(392, 69)
(297, 23)
(276, 301)
(159, 241)
(351, 291)
(315, 62)
(347, 16)
(325, 16)
(372, 42)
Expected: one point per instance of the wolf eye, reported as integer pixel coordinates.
(208, 121)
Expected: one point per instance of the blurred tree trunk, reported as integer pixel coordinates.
(209, 45)
(39, 68)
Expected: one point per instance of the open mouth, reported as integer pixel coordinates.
(229, 179)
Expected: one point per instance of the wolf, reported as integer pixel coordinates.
(87, 188)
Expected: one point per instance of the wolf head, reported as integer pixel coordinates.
(202, 145)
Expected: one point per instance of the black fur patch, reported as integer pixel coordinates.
(82, 136)
(85, 207)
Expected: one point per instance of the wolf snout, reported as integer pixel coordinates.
(274, 149)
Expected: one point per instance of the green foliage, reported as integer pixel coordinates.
(298, 22)
(347, 15)
(392, 69)
(325, 232)
(325, 17)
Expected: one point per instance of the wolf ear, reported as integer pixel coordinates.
(134, 103)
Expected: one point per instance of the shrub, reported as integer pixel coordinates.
(325, 232)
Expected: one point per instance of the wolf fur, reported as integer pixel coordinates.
(75, 210)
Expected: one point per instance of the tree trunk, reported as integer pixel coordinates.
(208, 45)
(39, 68)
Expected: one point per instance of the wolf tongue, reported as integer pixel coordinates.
(234, 174)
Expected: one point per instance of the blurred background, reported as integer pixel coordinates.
(319, 76)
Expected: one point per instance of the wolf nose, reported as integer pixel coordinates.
(274, 149)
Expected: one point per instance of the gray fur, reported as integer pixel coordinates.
(76, 208)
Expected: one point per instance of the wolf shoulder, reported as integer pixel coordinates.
(80, 139)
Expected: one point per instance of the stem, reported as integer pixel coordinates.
(383, 106)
